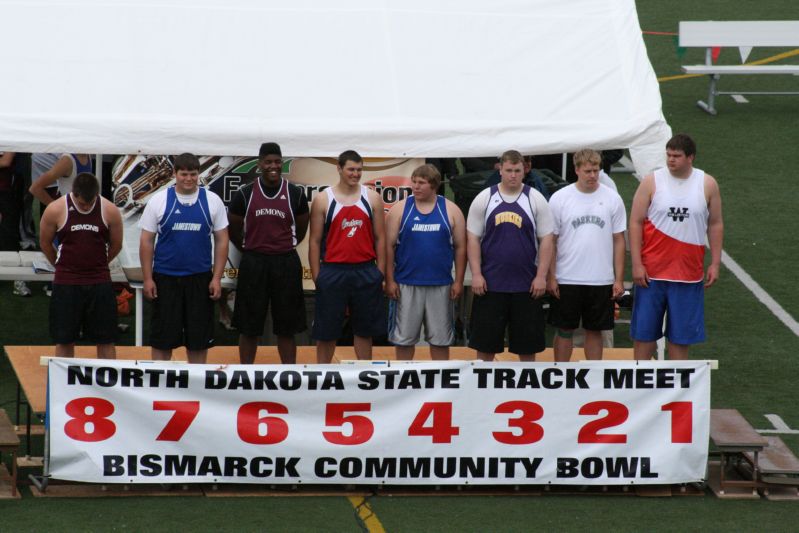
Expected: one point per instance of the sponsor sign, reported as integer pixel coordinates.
(137, 177)
(425, 423)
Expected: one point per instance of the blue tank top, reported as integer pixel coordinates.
(509, 246)
(80, 168)
(184, 237)
(424, 252)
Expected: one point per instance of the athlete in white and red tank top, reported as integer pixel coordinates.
(346, 252)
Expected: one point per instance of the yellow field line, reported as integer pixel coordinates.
(764, 61)
(367, 516)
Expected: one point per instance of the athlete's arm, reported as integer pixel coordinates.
(47, 230)
(641, 201)
(393, 220)
(114, 220)
(473, 252)
(458, 225)
(235, 218)
(618, 265)
(379, 228)
(545, 252)
(715, 229)
(301, 216)
(221, 241)
(315, 238)
(146, 253)
(61, 168)
(552, 281)
(6, 159)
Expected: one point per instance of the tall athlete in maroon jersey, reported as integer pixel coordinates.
(88, 229)
(268, 217)
(346, 252)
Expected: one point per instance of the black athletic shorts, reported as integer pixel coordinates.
(520, 313)
(357, 288)
(91, 308)
(593, 304)
(183, 313)
(269, 281)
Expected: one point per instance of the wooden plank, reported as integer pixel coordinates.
(705, 34)
(85, 490)
(36, 430)
(27, 461)
(776, 458)
(741, 69)
(9, 441)
(730, 431)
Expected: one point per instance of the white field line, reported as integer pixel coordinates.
(764, 297)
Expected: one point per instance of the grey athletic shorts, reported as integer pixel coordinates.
(421, 304)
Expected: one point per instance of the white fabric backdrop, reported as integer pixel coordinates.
(400, 78)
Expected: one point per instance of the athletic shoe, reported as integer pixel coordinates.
(48, 289)
(21, 288)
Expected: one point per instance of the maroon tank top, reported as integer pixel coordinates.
(82, 247)
(269, 226)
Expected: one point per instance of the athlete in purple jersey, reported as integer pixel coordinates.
(509, 246)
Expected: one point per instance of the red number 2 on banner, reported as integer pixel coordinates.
(617, 414)
(94, 411)
(185, 413)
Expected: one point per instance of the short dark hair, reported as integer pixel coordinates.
(682, 141)
(186, 161)
(349, 155)
(269, 149)
(86, 186)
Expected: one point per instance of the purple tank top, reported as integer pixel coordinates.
(509, 245)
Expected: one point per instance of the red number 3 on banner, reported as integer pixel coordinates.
(94, 411)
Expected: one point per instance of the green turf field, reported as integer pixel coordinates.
(749, 148)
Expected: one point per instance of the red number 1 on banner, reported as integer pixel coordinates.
(682, 421)
(185, 413)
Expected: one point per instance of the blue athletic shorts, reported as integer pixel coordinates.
(685, 303)
(354, 287)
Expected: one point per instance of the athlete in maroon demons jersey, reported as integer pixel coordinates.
(88, 229)
(346, 252)
(268, 217)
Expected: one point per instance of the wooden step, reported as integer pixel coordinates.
(8, 437)
(730, 432)
(777, 459)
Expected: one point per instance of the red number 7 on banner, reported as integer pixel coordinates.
(185, 413)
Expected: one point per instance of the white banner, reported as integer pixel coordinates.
(455, 422)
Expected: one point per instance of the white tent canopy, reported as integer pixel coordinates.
(400, 78)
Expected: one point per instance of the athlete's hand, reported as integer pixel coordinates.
(455, 291)
(712, 275)
(150, 290)
(215, 289)
(538, 287)
(479, 286)
(553, 288)
(392, 290)
(618, 290)
(640, 277)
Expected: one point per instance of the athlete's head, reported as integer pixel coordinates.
(429, 173)
(680, 153)
(85, 188)
(586, 166)
(683, 142)
(187, 173)
(511, 169)
(350, 167)
(270, 162)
